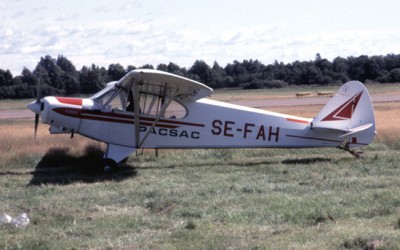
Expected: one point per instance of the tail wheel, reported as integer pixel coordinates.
(109, 165)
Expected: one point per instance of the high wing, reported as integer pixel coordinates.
(162, 86)
(166, 84)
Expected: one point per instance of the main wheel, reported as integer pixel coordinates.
(109, 165)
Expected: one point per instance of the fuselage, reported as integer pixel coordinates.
(206, 124)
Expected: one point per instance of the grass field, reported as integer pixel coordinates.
(201, 199)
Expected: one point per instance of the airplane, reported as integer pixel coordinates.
(158, 110)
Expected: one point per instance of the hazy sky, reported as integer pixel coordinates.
(137, 32)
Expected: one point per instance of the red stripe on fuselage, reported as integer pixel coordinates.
(121, 118)
(68, 100)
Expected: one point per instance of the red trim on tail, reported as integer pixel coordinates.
(344, 111)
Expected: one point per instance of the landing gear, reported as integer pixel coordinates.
(114, 155)
(109, 165)
(345, 146)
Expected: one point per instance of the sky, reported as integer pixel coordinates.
(138, 32)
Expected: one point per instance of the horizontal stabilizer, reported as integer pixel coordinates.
(358, 129)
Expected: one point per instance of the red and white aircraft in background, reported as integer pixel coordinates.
(155, 109)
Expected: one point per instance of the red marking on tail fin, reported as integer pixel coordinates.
(344, 111)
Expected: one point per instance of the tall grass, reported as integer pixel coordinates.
(388, 120)
(18, 141)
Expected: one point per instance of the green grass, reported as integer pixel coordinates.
(213, 199)
(198, 199)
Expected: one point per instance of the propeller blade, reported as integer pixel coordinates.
(36, 124)
(36, 107)
(38, 92)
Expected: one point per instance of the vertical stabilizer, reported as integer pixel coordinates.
(350, 110)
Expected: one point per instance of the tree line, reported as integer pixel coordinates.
(58, 76)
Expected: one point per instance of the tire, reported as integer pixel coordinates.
(109, 165)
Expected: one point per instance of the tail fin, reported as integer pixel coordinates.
(350, 112)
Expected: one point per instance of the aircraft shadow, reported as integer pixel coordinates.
(306, 160)
(59, 166)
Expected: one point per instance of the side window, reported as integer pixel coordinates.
(175, 110)
(154, 104)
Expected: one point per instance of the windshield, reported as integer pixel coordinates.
(113, 99)
(109, 86)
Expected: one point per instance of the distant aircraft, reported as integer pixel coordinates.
(154, 109)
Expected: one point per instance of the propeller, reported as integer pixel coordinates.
(36, 107)
(36, 125)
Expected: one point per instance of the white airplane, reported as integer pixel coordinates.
(154, 109)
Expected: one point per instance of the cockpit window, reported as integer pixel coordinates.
(122, 100)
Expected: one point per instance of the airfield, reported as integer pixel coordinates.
(254, 103)
(196, 199)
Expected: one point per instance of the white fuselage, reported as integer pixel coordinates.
(208, 124)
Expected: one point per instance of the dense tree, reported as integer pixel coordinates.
(339, 70)
(27, 77)
(175, 69)
(219, 76)
(392, 61)
(69, 75)
(6, 84)
(6, 78)
(130, 68)
(92, 79)
(24, 85)
(115, 72)
(201, 72)
(146, 66)
(54, 75)
(162, 67)
(394, 75)
(237, 74)
(60, 77)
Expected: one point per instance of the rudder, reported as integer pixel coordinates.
(350, 112)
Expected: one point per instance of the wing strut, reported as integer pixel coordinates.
(160, 113)
(136, 109)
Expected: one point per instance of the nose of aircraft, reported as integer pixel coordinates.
(34, 107)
